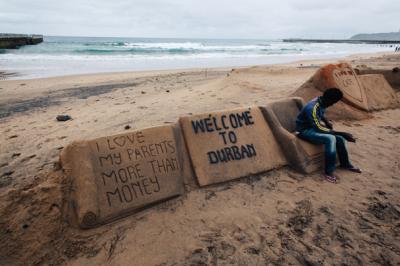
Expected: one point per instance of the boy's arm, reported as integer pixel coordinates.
(327, 123)
(313, 119)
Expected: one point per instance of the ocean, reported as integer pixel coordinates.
(58, 56)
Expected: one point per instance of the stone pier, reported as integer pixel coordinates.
(14, 41)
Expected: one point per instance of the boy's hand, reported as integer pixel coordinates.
(328, 124)
(349, 137)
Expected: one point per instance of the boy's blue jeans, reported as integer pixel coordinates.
(333, 144)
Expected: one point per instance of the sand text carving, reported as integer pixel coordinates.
(130, 167)
(225, 126)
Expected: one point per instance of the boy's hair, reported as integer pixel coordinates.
(333, 95)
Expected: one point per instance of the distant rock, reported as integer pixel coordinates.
(389, 36)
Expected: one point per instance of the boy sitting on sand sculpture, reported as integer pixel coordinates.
(309, 128)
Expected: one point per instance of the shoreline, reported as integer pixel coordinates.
(18, 76)
(21, 95)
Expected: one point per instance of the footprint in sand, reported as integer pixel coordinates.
(28, 158)
(17, 154)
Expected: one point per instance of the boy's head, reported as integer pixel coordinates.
(331, 96)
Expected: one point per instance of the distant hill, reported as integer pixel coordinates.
(389, 36)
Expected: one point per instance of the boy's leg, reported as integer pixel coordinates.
(342, 152)
(341, 148)
(329, 141)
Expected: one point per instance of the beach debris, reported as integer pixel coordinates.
(63, 118)
(167, 91)
(13, 136)
(143, 92)
(395, 69)
(127, 127)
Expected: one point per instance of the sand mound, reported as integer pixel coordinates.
(32, 224)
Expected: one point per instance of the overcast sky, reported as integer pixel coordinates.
(260, 19)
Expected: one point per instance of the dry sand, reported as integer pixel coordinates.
(276, 218)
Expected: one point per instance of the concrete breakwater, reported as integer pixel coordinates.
(342, 41)
(14, 41)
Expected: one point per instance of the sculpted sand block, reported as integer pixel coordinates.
(230, 144)
(113, 176)
(380, 94)
(314, 155)
(281, 116)
(342, 76)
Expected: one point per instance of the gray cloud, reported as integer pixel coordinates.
(202, 19)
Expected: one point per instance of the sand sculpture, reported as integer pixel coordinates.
(380, 95)
(117, 175)
(392, 76)
(362, 94)
(113, 176)
(230, 144)
(342, 76)
(281, 115)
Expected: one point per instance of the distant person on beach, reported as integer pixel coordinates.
(310, 128)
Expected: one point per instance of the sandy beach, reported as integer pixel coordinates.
(279, 217)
